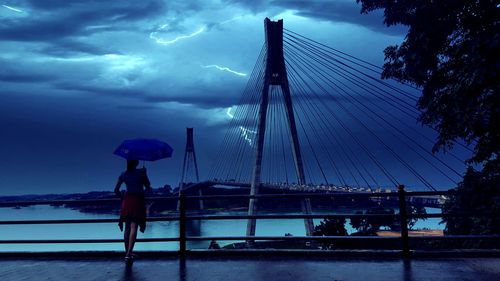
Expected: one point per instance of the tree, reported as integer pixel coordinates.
(361, 224)
(331, 227)
(478, 192)
(370, 225)
(414, 209)
(451, 52)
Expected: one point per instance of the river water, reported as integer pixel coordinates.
(154, 229)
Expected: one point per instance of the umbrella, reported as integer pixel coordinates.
(144, 149)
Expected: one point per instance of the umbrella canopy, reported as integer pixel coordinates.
(144, 149)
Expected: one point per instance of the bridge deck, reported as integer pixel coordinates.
(249, 268)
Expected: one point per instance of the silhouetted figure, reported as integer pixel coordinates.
(133, 209)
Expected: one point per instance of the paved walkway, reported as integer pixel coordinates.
(250, 268)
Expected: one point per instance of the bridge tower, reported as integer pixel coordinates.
(190, 162)
(275, 75)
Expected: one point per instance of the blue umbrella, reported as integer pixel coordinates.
(144, 149)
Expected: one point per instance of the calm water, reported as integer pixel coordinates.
(154, 230)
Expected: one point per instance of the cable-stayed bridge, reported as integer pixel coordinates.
(314, 117)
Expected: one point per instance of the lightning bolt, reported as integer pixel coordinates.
(223, 68)
(12, 9)
(228, 112)
(153, 35)
(244, 131)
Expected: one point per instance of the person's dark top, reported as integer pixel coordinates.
(135, 180)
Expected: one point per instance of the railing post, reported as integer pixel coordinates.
(403, 220)
(182, 224)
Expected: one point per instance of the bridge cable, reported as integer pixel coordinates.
(456, 142)
(408, 105)
(389, 176)
(384, 120)
(245, 99)
(382, 99)
(376, 79)
(326, 48)
(322, 119)
(282, 133)
(348, 157)
(243, 139)
(387, 112)
(402, 161)
(328, 130)
(309, 141)
(240, 123)
(294, 85)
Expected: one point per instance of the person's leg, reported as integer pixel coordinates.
(132, 237)
(126, 235)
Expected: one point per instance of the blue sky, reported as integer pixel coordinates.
(78, 77)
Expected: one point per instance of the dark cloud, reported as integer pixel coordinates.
(19, 73)
(210, 100)
(61, 4)
(255, 6)
(66, 103)
(335, 11)
(99, 90)
(219, 98)
(69, 47)
(137, 107)
(62, 20)
(43, 29)
(342, 11)
(24, 77)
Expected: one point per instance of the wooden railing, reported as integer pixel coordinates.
(182, 217)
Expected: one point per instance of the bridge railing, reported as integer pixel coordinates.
(182, 217)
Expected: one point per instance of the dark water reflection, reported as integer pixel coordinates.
(154, 230)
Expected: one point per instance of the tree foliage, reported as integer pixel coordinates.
(370, 225)
(451, 52)
(331, 227)
(479, 192)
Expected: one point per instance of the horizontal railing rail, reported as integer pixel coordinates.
(231, 196)
(236, 196)
(232, 217)
(182, 217)
(244, 238)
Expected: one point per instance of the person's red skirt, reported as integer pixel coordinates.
(133, 210)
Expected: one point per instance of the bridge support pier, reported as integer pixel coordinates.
(190, 160)
(275, 75)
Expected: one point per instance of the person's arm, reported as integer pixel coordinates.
(147, 183)
(118, 185)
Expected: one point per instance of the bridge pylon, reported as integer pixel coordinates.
(275, 75)
(190, 163)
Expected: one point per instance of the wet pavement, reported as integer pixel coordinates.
(249, 268)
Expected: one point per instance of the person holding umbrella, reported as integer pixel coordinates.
(133, 208)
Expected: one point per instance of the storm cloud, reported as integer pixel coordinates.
(77, 77)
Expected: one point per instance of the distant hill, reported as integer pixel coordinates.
(112, 207)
